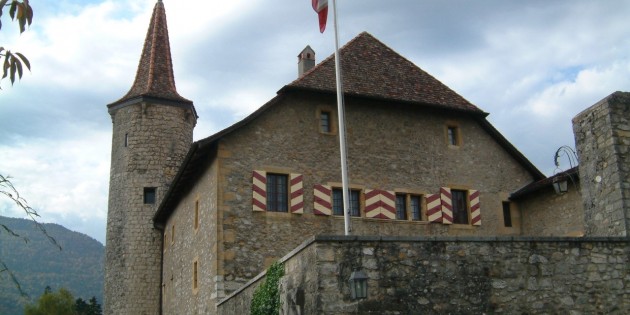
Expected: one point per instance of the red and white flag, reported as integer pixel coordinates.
(321, 7)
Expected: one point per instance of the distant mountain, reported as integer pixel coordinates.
(37, 263)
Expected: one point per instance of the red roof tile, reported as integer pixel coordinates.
(371, 69)
(154, 77)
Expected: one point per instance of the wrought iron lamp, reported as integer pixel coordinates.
(358, 285)
(560, 185)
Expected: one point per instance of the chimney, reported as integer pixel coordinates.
(306, 60)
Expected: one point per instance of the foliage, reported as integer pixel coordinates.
(83, 308)
(78, 268)
(52, 303)
(266, 299)
(14, 62)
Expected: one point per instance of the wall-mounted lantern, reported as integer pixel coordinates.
(560, 185)
(358, 285)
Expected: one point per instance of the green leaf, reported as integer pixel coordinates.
(24, 60)
(18, 66)
(12, 9)
(12, 73)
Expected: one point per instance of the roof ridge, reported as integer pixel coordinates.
(373, 69)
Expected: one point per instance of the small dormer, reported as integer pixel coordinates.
(306, 60)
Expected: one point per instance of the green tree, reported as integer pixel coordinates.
(83, 308)
(14, 62)
(52, 303)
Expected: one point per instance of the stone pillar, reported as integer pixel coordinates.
(602, 137)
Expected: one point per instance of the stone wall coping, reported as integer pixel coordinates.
(414, 239)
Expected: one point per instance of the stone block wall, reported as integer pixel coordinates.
(149, 141)
(602, 137)
(453, 276)
(547, 214)
(395, 147)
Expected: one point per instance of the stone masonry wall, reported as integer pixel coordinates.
(602, 136)
(453, 276)
(185, 245)
(158, 138)
(547, 214)
(397, 147)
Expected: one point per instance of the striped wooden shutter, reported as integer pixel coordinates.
(475, 211)
(372, 203)
(434, 208)
(388, 205)
(297, 193)
(447, 205)
(259, 191)
(380, 204)
(322, 200)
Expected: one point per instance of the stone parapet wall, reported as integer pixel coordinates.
(508, 275)
(602, 137)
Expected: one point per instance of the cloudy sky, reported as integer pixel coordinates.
(533, 65)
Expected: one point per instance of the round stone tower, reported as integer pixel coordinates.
(152, 132)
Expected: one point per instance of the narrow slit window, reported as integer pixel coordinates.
(126, 140)
(507, 215)
(195, 272)
(196, 224)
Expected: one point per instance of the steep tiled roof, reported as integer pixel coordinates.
(154, 77)
(371, 69)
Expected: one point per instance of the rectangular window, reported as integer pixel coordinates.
(149, 195)
(460, 206)
(196, 224)
(324, 122)
(173, 233)
(126, 139)
(401, 207)
(452, 135)
(355, 202)
(507, 215)
(277, 193)
(415, 207)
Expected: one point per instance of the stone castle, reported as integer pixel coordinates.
(436, 193)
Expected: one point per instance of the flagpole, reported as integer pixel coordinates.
(342, 128)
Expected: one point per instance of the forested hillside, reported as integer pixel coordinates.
(38, 263)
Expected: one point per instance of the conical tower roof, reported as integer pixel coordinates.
(154, 78)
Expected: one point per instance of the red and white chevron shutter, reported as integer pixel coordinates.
(434, 208)
(388, 205)
(475, 210)
(322, 200)
(447, 205)
(372, 203)
(380, 204)
(297, 193)
(259, 191)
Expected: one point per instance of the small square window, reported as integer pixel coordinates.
(325, 121)
(149, 195)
